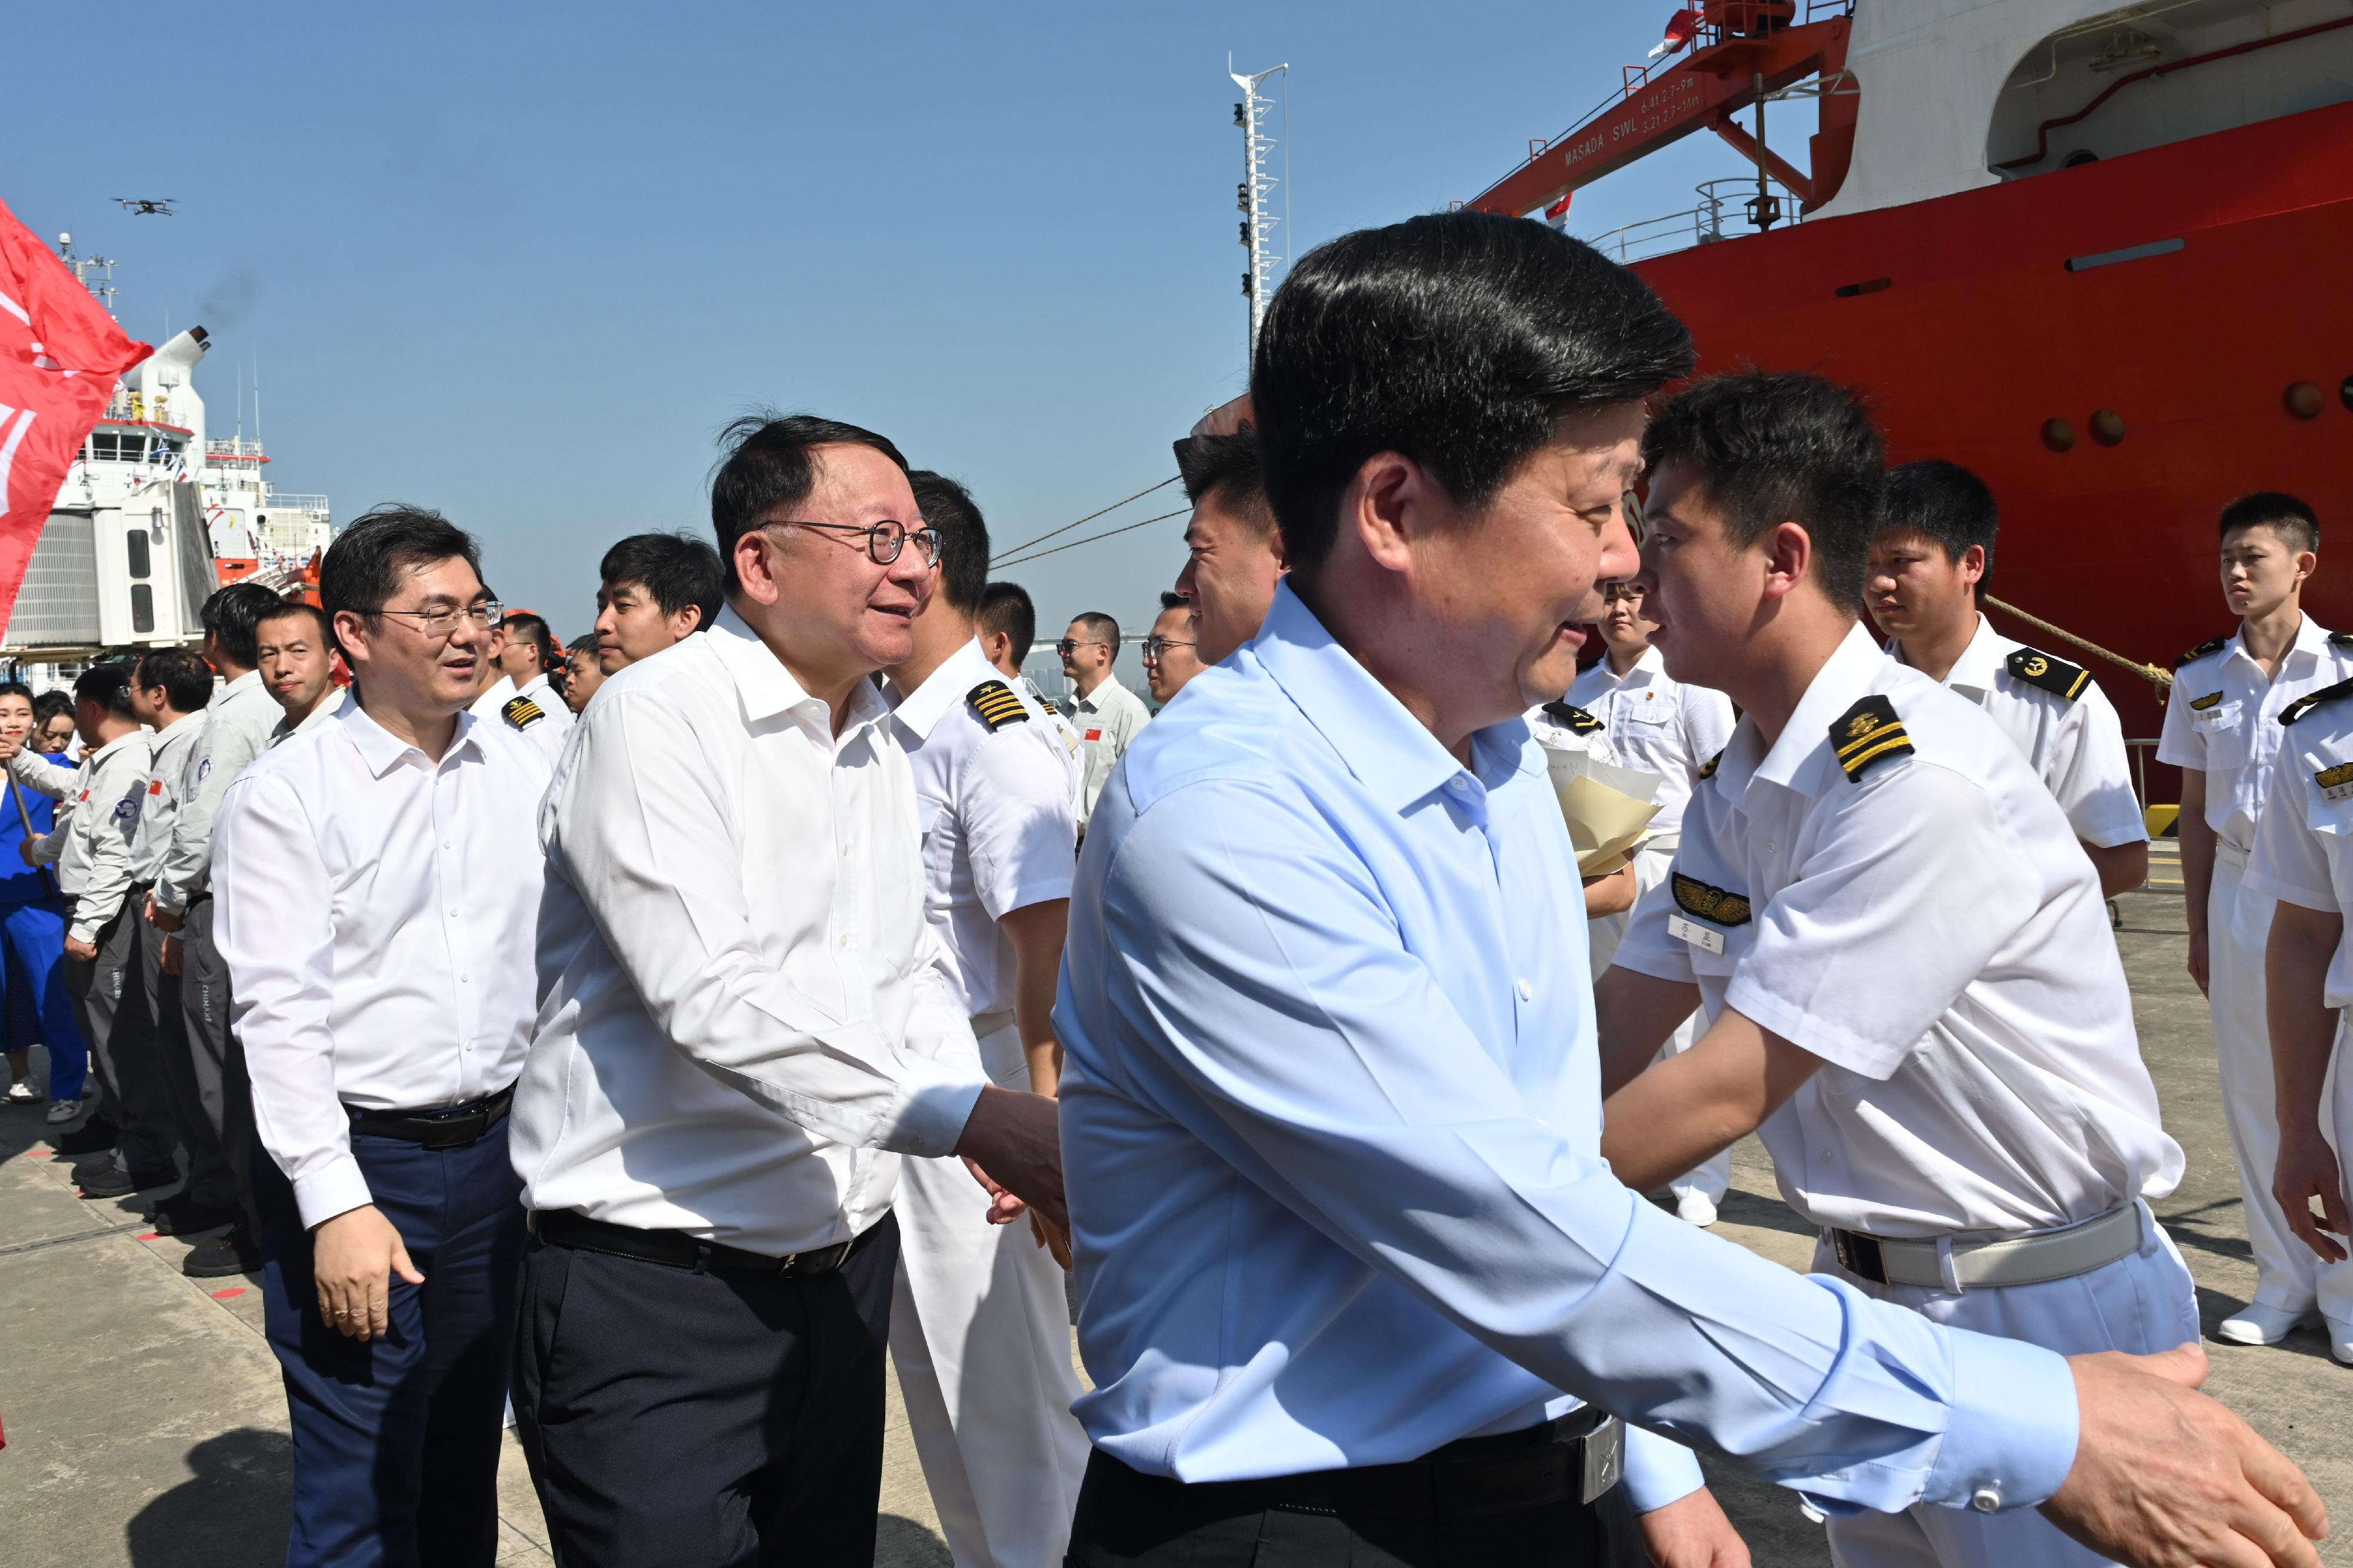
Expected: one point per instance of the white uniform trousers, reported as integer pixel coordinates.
(2143, 1304)
(980, 1332)
(2238, 925)
(1714, 1177)
(2336, 1281)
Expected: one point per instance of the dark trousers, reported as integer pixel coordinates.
(39, 1004)
(1127, 1518)
(396, 1439)
(212, 1098)
(111, 1004)
(704, 1420)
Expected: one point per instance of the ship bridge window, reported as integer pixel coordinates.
(114, 446)
(142, 607)
(140, 562)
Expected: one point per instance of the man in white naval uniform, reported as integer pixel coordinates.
(980, 1324)
(498, 702)
(2304, 858)
(531, 651)
(1915, 1000)
(2221, 730)
(1930, 559)
(1660, 725)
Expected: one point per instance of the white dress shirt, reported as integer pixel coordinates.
(498, 704)
(541, 691)
(238, 723)
(1107, 719)
(1658, 724)
(2076, 743)
(1931, 931)
(329, 706)
(376, 910)
(2304, 845)
(167, 780)
(998, 810)
(90, 844)
(744, 1017)
(2222, 719)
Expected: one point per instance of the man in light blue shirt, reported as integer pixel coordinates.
(1330, 1110)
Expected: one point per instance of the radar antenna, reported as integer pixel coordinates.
(1254, 193)
(83, 265)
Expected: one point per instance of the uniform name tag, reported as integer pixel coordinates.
(2336, 783)
(1695, 933)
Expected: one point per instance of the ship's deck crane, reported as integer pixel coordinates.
(1742, 52)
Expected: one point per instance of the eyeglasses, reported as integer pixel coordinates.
(441, 621)
(1070, 645)
(884, 541)
(1155, 647)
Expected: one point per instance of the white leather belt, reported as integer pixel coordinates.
(987, 1024)
(2225, 850)
(1664, 843)
(1982, 1265)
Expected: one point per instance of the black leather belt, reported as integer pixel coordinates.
(1576, 1459)
(452, 1128)
(676, 1249)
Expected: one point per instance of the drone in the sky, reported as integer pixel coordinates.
(143, 206)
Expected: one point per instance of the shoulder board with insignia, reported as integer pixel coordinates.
(1868, 732)
(522, 713)
(1571, 718)
(2054, 674)
(1712, 905)
(2312, 700)
(2199, 704)
(2340, 640)
(998, 707)
(1708, 768)
(2212, 644)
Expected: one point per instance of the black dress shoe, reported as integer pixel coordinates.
(114, 1181)
(182, 1216)
(91, 1137)
(218, 1257)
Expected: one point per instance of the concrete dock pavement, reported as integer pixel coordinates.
(146, 1425)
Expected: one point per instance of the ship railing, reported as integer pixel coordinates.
(282, 501)
(1726, 211)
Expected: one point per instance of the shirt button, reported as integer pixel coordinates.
(1986, 1499)
(465, 979)
(1527, 992)
(1772, 848)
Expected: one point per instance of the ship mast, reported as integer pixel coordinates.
(83, 265)
(1252, 195)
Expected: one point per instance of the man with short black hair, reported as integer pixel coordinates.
(1234, 551)
(745, 1026)
(1007, 624)
(655, 590)
(1172, 653)
(1107, 714)
(498, 702)
(238, 723)
(2223, 730)
(1326, 990)
(1930, 561)
(298, 664)
(379, 895)
(583, 672)
(529, 659)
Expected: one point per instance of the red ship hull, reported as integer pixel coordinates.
(1964, 321)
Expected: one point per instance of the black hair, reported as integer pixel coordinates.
(2296, 524)
(771, 463)
(522, 625)
(1006, 607)
(1227, 466)
(584, 643)
(181, 672)
(678, 569)
(1169, 601)
(1944, 503)
(109, 684)
(231, 614)
(1456, 339)
(950, 511)
(292, 607)
(1775, 447)
(364, 566)
(51, 705)
(18, 689)
(1102, 627)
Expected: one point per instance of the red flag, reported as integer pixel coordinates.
(60, 354)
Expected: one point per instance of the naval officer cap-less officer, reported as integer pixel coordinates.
(2304, 858)
(2221, 730)
(501, 702)
(1931, 559)
(1911, 979)
(979, 1320)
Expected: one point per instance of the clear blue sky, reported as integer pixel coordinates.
(522, 262)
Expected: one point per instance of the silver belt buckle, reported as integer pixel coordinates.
(1605, 1459)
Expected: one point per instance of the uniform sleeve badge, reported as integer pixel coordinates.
(2052, 675)
(2310, 701)
(998, 707)
(2200, 704)
(1571, 718)
(1869, 733)
(1715, 905)
(522, 713)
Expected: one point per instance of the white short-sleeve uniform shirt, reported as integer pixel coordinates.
(1891, 887)
(1658, 724)
(2057, 715)
(2222, 719)
(2304, 845)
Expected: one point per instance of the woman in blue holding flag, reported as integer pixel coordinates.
(34, 1006)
